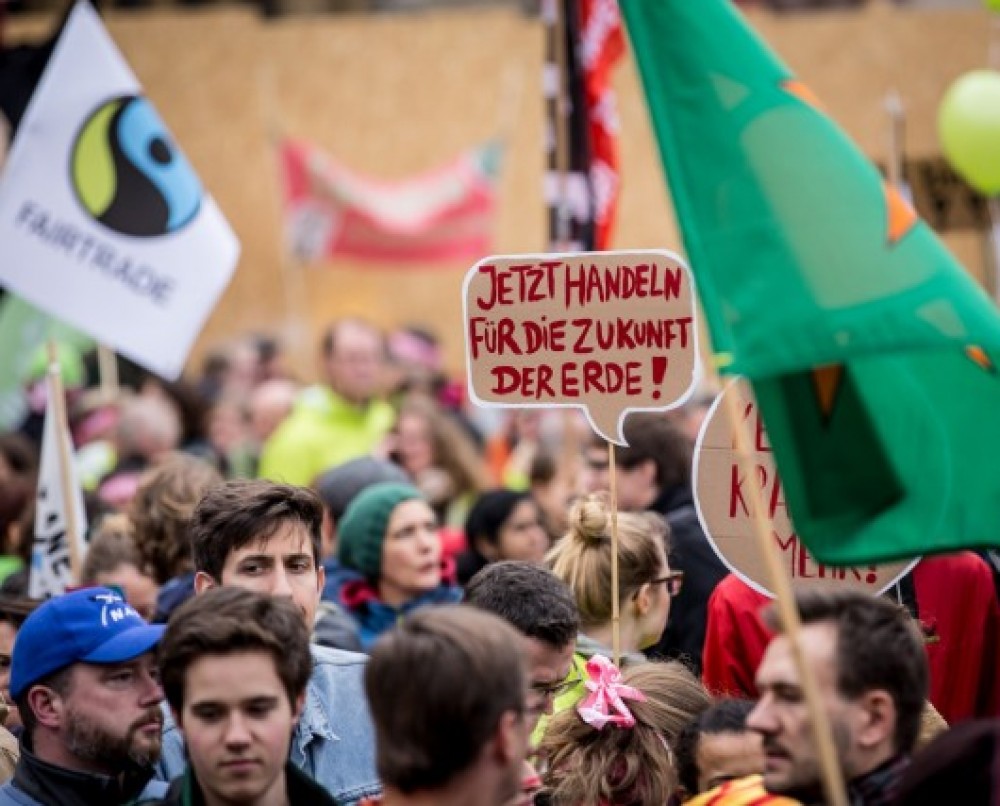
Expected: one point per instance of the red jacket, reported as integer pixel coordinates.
(958, 610)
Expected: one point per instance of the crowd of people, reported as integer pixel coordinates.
(366, 591)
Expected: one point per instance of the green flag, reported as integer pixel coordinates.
(23, 330)
(868, 346)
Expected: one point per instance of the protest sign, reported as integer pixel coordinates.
(103, 222)
(608, 332)
(722, 497)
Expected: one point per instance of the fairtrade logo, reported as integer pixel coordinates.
(128, 174)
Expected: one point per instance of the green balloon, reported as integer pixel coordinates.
(969, 128)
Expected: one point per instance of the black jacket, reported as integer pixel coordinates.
(690, 552)
(38, 782)
(300, 788)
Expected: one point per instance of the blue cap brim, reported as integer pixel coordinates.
(127, 645)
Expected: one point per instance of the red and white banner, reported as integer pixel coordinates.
(332, 211)
(582, 193)
(602, 44)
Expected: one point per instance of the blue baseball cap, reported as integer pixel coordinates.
(93, 625)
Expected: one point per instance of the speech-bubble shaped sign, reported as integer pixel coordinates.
(722, 493)
(608, 332)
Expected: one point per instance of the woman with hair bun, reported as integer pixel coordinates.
(646, 584)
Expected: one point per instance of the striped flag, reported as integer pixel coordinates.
(332, 211)
(581, 185)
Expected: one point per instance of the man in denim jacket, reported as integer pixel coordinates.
(266, 537)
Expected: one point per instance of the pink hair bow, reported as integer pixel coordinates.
(605, 701)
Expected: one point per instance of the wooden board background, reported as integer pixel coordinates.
(394, 95)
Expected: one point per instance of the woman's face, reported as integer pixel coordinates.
(411, 553)
(655, 619)
(522, 536)
(414, 444)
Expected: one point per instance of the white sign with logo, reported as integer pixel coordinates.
(103, 222)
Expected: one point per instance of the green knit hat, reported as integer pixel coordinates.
(361, 531)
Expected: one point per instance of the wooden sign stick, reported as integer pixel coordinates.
(833, 781)
(57, 401)
(616, 641)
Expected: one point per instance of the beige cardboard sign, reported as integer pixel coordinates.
(608, 332)
(723, 500)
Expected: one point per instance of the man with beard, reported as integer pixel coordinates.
(868, 659)
(85, 681)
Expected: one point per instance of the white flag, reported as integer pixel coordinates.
(51, 569)
(103, 222)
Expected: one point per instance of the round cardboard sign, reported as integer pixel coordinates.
(723, 499)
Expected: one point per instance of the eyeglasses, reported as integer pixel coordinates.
(674, 580)
(552, 690)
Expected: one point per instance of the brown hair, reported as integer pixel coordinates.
(655, 437)
(879, 646)
(452, 448)
(225, 621)
(624, 765)
(438, 685)
(161, 511)
(582, 558)
(242, 511)
(111, 547)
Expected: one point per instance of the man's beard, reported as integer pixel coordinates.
(89, 742)
(807, 786)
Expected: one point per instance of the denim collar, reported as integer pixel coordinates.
(314, 723)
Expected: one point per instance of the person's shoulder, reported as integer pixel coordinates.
(160, 793)
(325, 656)
(10, 795)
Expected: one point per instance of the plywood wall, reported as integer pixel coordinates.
(394, 95)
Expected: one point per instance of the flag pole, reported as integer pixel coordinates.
(57, 401)
(897, 123)
(561, 133)
(616, 644)
(993, 239)
(107, 370)
(559, 238)
(832, 777)
(993, 202)
(293, 284)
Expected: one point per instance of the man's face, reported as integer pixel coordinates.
(548, 666)
(791, 762)
(237, 723)
(111, 716)
(725, 756)
(596, 473)
(140, 590)
(635, 486)
(354, 367)
(281, 565)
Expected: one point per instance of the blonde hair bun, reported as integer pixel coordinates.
(589, 519)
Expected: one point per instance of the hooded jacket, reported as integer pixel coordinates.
(360, 598)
